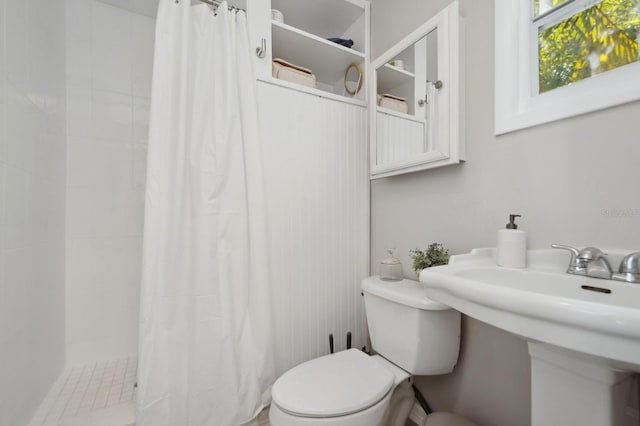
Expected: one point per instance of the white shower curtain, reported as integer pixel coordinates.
(205, 353)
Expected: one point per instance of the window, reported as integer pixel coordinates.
(568, 57)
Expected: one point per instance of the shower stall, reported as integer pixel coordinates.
(75, 96)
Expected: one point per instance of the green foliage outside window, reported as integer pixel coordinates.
(598, 39)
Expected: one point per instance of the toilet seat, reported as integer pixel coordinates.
(334, 385)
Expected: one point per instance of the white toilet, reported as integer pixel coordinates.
(412, 334)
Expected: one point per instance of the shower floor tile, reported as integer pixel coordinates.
(100, 394)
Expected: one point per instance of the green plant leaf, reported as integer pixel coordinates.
(434, 255)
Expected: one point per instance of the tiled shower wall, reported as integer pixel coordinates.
(32, 206)
(109, 67)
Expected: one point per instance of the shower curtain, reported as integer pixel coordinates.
(205, 352)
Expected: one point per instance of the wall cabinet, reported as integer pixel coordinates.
(419, 122)
(301, 38)
(429, 133)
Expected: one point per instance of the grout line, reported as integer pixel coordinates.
(96, 378)
(59, 391)
(84, 394)
(95, 396)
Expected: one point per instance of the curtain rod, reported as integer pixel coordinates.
(216, 3)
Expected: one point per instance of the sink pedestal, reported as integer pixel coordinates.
(583, 333)
(569, 388)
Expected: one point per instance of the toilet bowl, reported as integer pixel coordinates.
(412, 335)
(347, 388)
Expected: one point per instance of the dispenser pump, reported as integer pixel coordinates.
(512, 221)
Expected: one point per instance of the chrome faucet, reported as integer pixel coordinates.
(592, 262)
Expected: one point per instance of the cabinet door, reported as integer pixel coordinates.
(419, 124)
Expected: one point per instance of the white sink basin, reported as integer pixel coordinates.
(583, 333)
(543, 303)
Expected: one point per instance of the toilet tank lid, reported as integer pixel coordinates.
(333, 385)
(406, 292)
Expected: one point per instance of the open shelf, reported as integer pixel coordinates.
(390, 77)
(326, 18)
(327, 60)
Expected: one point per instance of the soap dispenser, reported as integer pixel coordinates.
(390, 267)
(512, 245)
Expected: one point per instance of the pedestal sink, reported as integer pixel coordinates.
(583, 333)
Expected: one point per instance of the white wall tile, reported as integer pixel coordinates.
(79, 112)
(101, 165)
(141, 106)
(112, 50)
(15, 209)
(105, 213)
(108, 116)
(46, 47)
(14, 301)
(16, 30)
(15, 400)
(32, 203)
(20, 132)
(79, 43)
(3, 211)
(143, 45)
(139, 166)
(112, 115)
(80, 221)
(2, 53)
(117, 213)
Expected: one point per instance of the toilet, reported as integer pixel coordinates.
(411, 334)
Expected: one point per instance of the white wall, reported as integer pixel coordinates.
(574, 181)
(109, 67)
(32, 207)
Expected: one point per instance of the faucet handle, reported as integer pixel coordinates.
(574, 251)
(629, 269)
(576, 264)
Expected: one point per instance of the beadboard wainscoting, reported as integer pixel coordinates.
(399, 137)
(315, 152)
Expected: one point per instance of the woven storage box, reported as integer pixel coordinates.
(395, 103)
(287, 71)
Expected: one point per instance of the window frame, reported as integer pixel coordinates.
(517, 102)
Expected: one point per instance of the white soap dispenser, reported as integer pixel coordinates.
(512, 245)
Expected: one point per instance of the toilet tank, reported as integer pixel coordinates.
(407, 328)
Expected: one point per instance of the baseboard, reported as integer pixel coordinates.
(264, 422)
(417, 415)
(263, 418)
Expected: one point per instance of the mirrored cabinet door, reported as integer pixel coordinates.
(417, 105)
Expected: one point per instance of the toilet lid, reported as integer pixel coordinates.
(333, 385)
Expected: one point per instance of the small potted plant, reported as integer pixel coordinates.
(434, 255)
